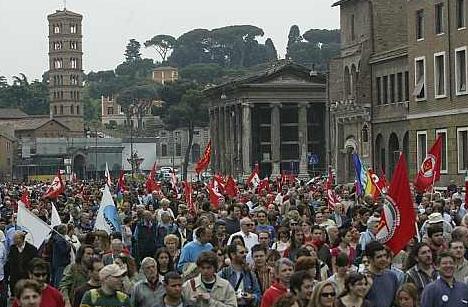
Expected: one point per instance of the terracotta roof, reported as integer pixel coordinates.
(64, 12)
(11, 113)
(340, 2)
(34, 123)
(164, 68)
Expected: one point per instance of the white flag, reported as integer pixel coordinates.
(107, 218)
(55, 217)
(108, 176)
(36, 228)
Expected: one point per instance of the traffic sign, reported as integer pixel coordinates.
(313, 159)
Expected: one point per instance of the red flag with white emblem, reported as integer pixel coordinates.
(398, 217)
(430, 168)
(56, 188)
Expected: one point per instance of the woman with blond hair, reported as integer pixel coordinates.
(407, 296)
(324, 295)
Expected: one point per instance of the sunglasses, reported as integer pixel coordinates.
(328, 294)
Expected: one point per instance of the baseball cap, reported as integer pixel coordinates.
(111, 270)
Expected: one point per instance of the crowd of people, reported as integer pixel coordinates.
(281, 246)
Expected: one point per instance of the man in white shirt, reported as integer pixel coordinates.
(250, 238)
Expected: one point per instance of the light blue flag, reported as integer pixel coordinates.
(107, 218)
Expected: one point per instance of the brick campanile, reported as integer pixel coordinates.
(66, 69)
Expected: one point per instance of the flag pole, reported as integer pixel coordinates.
(432, 187)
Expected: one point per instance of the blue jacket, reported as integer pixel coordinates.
(190, 253)
(249, 282)
(439, 293)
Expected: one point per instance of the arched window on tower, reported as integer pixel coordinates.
(61, 109)
(55, 110)
(78, 110)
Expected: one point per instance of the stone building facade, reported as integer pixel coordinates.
(7, 152)
(276, 118)
(417, 82)
(349, 89)
(66, 69)
(437, 60)
(165, 74)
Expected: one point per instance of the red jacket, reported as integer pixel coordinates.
(272, 294)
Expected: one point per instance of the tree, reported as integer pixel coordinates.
(137, 100)
(132, 51)
(202, 73)
(190, 112)
(162, 44)
(294, 37)
(272, 54)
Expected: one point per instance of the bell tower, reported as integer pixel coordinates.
(66, 69)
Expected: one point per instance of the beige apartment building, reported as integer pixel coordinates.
(437, 58)
(416, 86)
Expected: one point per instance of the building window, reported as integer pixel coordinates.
(378, 83)
(77, 109)
(55, 109)
(73, 45)
(420, 24)
(460, 70)
(406, 86)
(392, 88)
(399, 87)
(110, 110)
(385, 89)
(72, 29)
(56, 29)
(73, 63)
(353, 33)
(444, 163)
(57, 45)
(163, 150)
(462, 148)
(439, 74)
(72, 110)
(178, 149)
(460, 14)
(58, 63)
(439, 18)
(420, 78)
(61, 109)
(421, 147)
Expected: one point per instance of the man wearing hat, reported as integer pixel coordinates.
(109, 294)
(437, 219)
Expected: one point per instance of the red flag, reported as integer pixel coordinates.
(204, 161)
(231, 188)
(398, 217)
(121, 186)
(151, 184)
(332, 197)
(25, 198)
(189, 197)
(264, 185)
(219, 183)
(430, 168)
(379, 184)
(56, 188)
(254, 178)
(214, 195)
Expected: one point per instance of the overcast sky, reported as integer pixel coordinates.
(109, 24)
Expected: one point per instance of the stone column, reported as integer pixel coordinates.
(275, 139)
(222, 148)
(227, 141)
(232, 139)
(215, 137)
(239, 139)
(303, 140)
(212, 135)
(246, 139)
